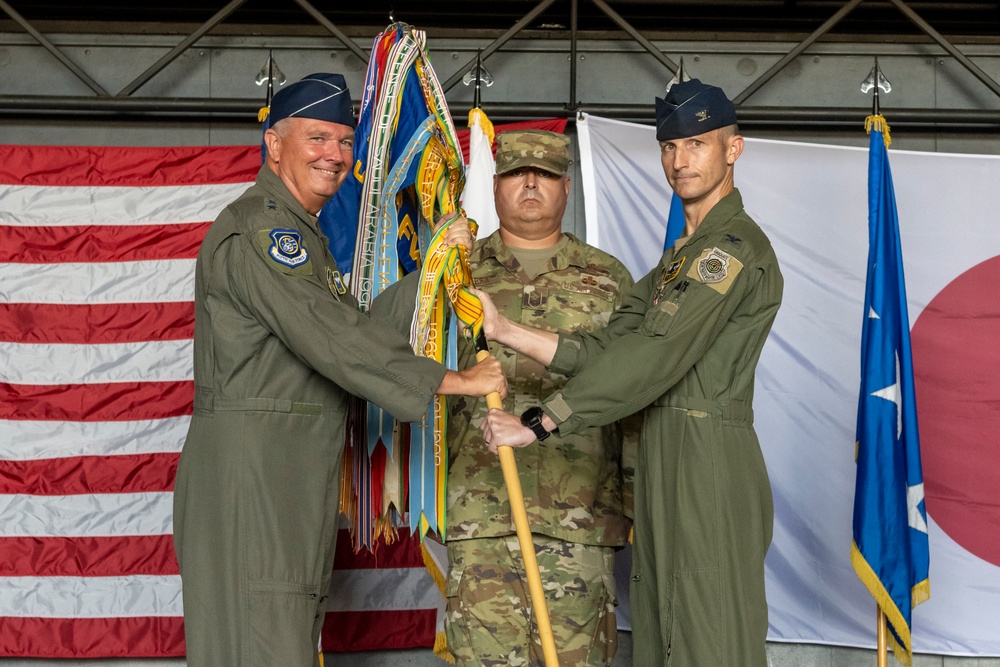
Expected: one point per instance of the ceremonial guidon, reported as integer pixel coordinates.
(279, 346)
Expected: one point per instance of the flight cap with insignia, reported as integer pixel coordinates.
(691, 108)
(319, 96)
(541, 149)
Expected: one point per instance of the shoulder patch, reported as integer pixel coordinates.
(285, 250)
(286, 247)
(715, 268)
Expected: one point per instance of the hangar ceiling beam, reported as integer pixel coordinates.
(496, 44)
(180, 48)
(51, 48)
(794, 53)
(948, 46)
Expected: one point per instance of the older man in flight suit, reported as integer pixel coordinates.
(279, 346)
(683, 346)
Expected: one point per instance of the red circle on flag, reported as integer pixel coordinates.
(956, 361)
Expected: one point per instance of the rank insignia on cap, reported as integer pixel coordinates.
(716, 268)
(286, 247)
(335, 282)
(691, 108)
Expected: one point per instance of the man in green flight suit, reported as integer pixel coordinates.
(574, 485)
(684, 346)
(279, 346)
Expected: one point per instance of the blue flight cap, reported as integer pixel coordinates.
(320, 96)
(692, 108)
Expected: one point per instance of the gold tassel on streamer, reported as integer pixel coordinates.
(263, 113)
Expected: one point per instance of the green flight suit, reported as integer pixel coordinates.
(279, 347)
(686, 343)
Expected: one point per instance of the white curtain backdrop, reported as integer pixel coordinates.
(811, 200)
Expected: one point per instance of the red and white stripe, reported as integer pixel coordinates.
(97, 255)
(97, 252)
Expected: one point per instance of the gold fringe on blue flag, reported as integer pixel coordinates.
(890, 550)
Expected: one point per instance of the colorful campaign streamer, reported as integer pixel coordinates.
(408, 172)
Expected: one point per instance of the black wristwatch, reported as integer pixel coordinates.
(532, 418)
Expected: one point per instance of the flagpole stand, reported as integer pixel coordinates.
(520, 515)
(882, 651)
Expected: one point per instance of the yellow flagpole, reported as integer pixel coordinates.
(520, 515)
(881, 629)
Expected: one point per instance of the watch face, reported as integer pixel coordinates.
(532, 418)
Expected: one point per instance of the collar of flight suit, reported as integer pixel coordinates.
(723, 211)
(274, 186)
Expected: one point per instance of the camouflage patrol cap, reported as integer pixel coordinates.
(541, 149)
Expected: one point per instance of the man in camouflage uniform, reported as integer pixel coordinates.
(684, 345)
(574, 486)
(279, 345)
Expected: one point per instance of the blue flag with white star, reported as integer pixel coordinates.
(890, 549)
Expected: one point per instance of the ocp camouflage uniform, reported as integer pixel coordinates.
(278, 348)
(685, 343)
(574, 486)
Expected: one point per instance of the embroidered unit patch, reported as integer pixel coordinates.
(286, 247)
(335, 282)
(669, 273)
(716, 268)
(674, 269)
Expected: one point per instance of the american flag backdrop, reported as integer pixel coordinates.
(97, 253)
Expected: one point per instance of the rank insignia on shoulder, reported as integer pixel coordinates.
(335, 282)
(271, 206)
(286, 247)
(716, 268)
